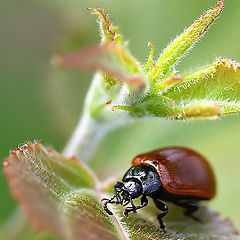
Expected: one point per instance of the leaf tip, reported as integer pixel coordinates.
(227, 64)
(106, 24)
(109, 102)
(219, 7)
(220, 3)
(183, 43)
(208, 18)
(124, 108)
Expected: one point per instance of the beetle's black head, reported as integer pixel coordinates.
(124, 193)
(131, 189)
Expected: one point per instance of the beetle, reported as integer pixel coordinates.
(175, 174)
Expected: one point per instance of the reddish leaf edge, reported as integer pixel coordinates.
(107, 21)
(76, 61)
(14, 183)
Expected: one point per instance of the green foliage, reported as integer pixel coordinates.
(162, 92)
(62, 196)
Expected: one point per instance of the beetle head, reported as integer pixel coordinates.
(124, 193)
(131, 189)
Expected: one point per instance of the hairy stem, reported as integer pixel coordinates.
(94, 124)
(86, 138)
(89, 130)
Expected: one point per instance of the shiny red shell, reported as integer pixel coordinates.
(182, 171)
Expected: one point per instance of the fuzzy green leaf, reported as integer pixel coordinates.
(41, 180)
(144, 225)
(86, 219)
(184, 42)
(60, 195)
(210, 91)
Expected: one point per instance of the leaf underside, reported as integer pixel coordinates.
(62, 196)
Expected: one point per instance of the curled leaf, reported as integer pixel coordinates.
(108, 58)
(109, 32)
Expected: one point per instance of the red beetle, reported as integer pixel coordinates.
(175, 174)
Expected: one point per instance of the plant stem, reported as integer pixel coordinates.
(93, 125)
(86, 138)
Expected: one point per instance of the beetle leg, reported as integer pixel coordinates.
(163, 207)
(107, 201)
(190, 207)
(144, 203)
(117, 196)
(105, 206)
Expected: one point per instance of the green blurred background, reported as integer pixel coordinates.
(38, 102)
